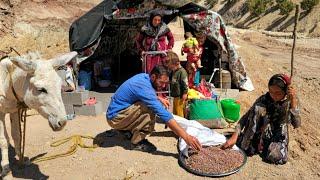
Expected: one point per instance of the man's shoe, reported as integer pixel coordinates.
(144, 146)
(127, 134)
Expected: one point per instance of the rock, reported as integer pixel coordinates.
(294, 155)
(130, 173)
(303, 147)
(4, 6)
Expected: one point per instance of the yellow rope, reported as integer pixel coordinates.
(77, 141)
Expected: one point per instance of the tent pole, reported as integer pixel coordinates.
(220, 73)
(294, 36)
(75, 69)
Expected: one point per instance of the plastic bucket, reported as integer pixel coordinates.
(231, 109)
(85, 79)
(226, 79)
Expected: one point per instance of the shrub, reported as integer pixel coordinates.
(211, 2)
(308, 4)
(258, 7)
(285, 6)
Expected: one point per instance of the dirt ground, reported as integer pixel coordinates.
(263, 56)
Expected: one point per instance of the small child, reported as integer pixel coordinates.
(179, 83)
(191, 47)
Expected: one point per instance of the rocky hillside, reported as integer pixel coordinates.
(43, 25)
(40, 25)
(236, 13)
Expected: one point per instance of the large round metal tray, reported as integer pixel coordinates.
(182, 162)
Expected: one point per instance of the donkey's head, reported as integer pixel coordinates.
(42, 87)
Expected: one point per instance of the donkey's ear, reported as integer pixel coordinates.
(24, 64)
(63, 59)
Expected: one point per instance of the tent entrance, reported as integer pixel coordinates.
(115, 58)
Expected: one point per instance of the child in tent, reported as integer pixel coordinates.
(191, 47)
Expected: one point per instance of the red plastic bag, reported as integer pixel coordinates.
(204, 88)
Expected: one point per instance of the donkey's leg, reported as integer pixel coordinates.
(4, 146)
(15, 132)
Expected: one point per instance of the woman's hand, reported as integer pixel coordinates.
(292, 97)
(291, 92)
(230, 142)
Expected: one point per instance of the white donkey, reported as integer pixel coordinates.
(36, 83)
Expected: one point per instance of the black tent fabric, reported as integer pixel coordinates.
(87, 29)
(190, 8)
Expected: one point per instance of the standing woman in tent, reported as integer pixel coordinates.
(154, 36)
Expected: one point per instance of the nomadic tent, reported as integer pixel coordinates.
(108, 31)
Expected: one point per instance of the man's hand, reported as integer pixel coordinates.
(193, 142)
(164, 101)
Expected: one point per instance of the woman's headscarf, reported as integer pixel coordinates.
(150, 30)
(154, 14)
(277, 110)
(280, 80)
